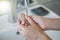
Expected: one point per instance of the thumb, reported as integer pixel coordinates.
(30, 20)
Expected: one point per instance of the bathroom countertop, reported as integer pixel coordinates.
(54, 6)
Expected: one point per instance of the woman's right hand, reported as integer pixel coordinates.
(41, 21)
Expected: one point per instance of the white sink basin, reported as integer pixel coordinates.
(8, 30)
(51, 14)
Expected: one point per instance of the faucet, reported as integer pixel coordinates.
(12, 17)
(13, 12)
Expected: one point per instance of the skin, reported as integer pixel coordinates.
(47, 23)
(31, 29)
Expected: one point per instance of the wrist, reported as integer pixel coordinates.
(47, 23)
(33, 37)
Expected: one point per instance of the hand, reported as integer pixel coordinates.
(32, 31)
(38, 19)
(47, 23)
(41, 21)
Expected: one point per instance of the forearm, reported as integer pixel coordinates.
(47, 23)
(52, 24)
(43, 35)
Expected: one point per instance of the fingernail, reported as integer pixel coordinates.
(23, 23)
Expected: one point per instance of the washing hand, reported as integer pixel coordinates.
(33, 31)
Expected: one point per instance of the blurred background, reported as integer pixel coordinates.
(9, 9)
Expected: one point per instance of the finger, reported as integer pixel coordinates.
(23, 27)
(30, 20)
(26, 24)
(23, 22)
(19, 22)
(21, 16)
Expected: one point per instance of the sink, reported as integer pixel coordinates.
(8, 30)
(11, 35)
(49, 14)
